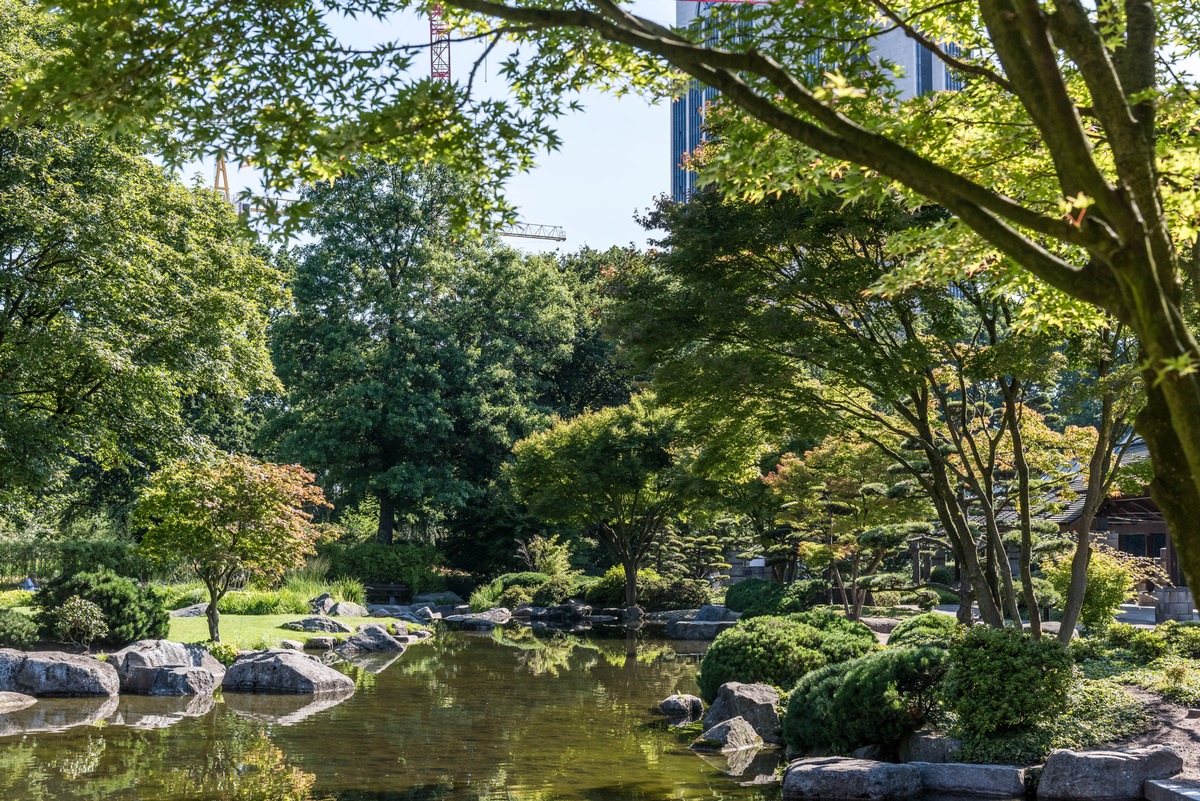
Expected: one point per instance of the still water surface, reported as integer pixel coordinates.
(463, 717)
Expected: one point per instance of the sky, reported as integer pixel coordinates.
(614, 159)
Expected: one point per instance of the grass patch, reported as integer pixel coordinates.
(260, 631)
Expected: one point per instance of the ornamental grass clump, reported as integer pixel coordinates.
(766, 650)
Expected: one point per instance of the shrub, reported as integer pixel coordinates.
(666, 594)
(131, 612)
(17, 630)
(749, 592)
(1182, 638)
(347, 589)
(1110, 581)
(486, 596)
(177, 596)
(514, 597)
(931, 628)
(555, 591)
(1145, 645)
(264, 602)
(842, 639)
(806, 724)
(943, 574)
(528, 579)
(609, 591)
(546, 555)
(375, 563)
(224, 652)
(768, 650)
(79, 621)
(11, 598)
(885, 598)
(1000, 680)
(925, 600)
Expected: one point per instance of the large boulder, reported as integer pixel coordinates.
(928, 746)
(480, 621)
(162, 667)
(318, 623)
(842, 777)
(978, 781)
(437, 598)
(1106, 775)
(756, 703)
(369, 640)
(280, 671)
(54, 673)
(321, 604)
(320, 644)
(681, 706)
(348, 609)
(195, 610)
(711, 613)
(697, 629)
(728, 735)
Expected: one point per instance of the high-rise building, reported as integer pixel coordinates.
(922, 73)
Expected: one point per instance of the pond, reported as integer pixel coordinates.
(505, 715)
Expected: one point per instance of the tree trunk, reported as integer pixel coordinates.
(630, 582)
(387, 519)
(213, 616)
(1025, 514)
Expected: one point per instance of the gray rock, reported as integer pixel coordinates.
(445, 610)
(168, 680)
(681, 706)
(195, 610)
(734, 734)
(318, 623)
(284, 710)
(697, 630)
(1106, 775)
(880, 625)
(425, 614)
(348, 609)
(279, 671)
(150, 655)
(54, 673)
(370, 639)
(399, 629)
(842, 777)
(874, 751)
(320, 644)
(715, 614)
(756, 703)
(321, 604)
(632, 613)
(480, 621)
(11, 702)
(984, 781)
(291, 645)
(928, 746)
(752, 766)
(1051, 628)
(437, 598)
(1171, 790)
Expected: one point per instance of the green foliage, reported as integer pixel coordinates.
(399, 563)
(17, 630)
(620, 472)
(11, 598)
(1001, 680)
(1110, 581)
(514, 597)
(877, 698)
(545, 555)
(767, 650)
(529, 579)
(224, 652)
(1145, 645)
(784, 599)
(655, 593)
(79, 621)
(885, 598)
(346, 588)
(487, 596)
(749, 592)
(925, 600)
(842, 639)
(1097, 712)
(555, 591)
(120, 556)
(132, 612)
(264, 602)
(1183, 638)
(931, 628)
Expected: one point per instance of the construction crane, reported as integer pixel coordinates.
(221, 187)
(439, 70)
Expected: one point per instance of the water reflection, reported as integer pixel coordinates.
(510, 715)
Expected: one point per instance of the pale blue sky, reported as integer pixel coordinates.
(614, 159)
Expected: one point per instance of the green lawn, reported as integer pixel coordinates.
(254, 631)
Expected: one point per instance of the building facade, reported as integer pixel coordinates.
(922, 74)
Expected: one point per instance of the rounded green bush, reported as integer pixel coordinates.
(1182, 638)
(17, 630)
(842, 639)
(806, 725)
(132, 612)
(555, 591)
(527, 579)
(1001, 680)
(763, 650)
(667, 594)
(515, 597)
(749, 592)
(931, 628)
(779, 599)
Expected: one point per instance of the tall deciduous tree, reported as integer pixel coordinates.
(412, 360)
(618, 472)
(227, 517)
(1067, 158)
